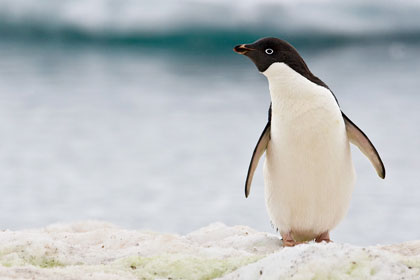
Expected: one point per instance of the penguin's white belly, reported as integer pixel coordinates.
(308, 171)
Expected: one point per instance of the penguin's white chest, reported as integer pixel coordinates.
(308, 171)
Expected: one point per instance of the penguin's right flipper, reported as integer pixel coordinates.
(258, 152)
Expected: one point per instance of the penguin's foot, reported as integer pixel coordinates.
(288, 240)
(325, 236)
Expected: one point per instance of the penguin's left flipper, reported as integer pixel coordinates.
(358, 138)
(258, 152)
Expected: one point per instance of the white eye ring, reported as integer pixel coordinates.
(269, 51)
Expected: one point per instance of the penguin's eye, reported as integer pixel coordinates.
(269, 51)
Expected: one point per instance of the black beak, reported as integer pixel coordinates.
(242, 49)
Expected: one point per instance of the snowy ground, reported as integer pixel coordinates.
(97, 250)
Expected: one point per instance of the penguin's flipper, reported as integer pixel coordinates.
(258, 152)
(358, 138)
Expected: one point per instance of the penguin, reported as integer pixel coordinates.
(308, 170)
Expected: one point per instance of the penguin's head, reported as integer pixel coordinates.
(267, 51)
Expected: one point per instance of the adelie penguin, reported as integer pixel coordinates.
(308, 170)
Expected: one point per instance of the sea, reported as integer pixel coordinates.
(139, 113)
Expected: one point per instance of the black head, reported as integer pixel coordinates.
(267, 51)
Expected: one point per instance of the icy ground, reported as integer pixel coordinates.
(98, 250)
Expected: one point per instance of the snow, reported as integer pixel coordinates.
(336, 261)
(99, 250)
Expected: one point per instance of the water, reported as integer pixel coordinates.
(157, 133)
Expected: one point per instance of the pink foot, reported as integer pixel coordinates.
(325, 236)
(288, 240)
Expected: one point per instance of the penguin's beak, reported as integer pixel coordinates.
(242, 49)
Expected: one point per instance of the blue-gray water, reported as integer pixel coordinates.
(158, 133)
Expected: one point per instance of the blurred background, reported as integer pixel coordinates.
(139, 112)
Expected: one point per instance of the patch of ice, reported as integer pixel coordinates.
(104, 251)
(335, 261)
(99, 250)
